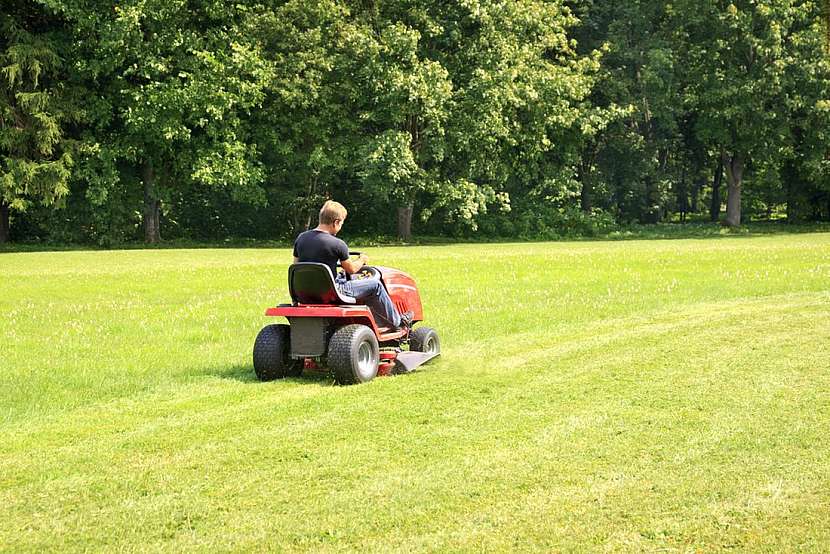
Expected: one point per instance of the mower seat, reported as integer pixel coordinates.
(313, 283)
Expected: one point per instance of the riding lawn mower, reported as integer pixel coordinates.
(329, 329)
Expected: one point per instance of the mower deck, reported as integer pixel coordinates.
(409, 361)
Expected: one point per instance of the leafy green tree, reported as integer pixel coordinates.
(305, 126)
(443, 105)
(35, 156)
(532, 89)
(805, 169)
(518, 113)
(740, 62)
(637, 153)
(404, 114)
(177, 81)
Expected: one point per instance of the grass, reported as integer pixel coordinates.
(636, 395)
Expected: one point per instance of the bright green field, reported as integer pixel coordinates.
(613, 396)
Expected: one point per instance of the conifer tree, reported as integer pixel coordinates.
(35, 161)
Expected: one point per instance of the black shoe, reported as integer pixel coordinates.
(406, 319)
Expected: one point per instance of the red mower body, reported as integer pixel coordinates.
(401, 288)
(329, 329)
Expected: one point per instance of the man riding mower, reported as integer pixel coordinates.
(357, 322)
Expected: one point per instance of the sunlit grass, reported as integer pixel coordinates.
(637, 395)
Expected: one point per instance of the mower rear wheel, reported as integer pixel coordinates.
(424, 339)
(353, 354)
(272, 358)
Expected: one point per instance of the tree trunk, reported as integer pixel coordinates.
(405, 222)
(794, 211)
(790, 202)
(312, 210)
(696, 188)
(4, 222)
(619, 198)
(683, 196)
(586, 192)
(152, 205)
(794, 189)
(815, 202)
(734, 177)
(652, 207)
(714, 209)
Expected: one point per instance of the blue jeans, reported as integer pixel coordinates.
(372, 293)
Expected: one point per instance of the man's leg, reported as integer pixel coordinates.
(372, 293)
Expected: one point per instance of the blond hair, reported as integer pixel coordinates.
(332, 211)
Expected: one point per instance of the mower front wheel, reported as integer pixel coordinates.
(424, 339)
(353, 354)
(272, 359)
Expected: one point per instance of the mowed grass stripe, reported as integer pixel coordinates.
(463, 362)
(519, 458)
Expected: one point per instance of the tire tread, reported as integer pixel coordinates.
(341, 346)
(418, 339)
(272, 354)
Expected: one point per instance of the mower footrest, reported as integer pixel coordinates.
(408, 361)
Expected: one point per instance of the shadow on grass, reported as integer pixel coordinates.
(245, 374)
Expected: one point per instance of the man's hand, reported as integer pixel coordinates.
(354, 266)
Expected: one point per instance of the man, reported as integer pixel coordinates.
(321, 245)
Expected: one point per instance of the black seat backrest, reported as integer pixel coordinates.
(313, 283)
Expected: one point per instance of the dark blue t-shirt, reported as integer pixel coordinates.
(321, 247)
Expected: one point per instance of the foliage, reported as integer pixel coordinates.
(36, 159)
(175, 82)
(214, 120)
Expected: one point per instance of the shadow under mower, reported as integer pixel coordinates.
(329, 329)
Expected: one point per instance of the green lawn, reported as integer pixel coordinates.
(614, 396)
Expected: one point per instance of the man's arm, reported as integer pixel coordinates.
(353, 266)
(296, 260)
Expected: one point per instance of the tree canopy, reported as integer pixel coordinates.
(524, 118)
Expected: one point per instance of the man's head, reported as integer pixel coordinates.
(332, 215)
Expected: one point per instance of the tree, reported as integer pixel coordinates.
(306, 126)
(639, 80)
(400, 96)
(35, 156)
(177, 81)
(739, 63)
(519, 114)
(463, 102)
(805, 168)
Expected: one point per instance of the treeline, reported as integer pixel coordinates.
(203, 119)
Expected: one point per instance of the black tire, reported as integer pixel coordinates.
(272, 350)
(424, 339)
(353, 354)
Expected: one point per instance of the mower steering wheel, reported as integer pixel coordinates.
(351, 253)
(366, 272)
